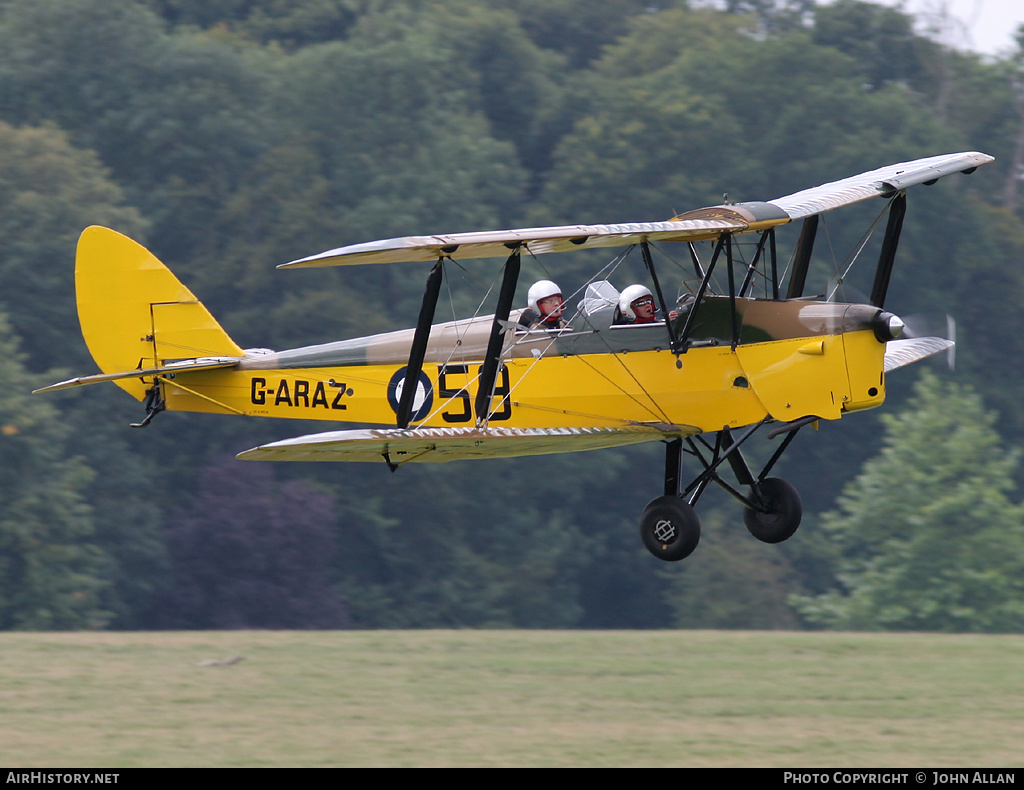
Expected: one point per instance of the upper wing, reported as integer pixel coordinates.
(702, 224)
(398, 446)
(498, 243)
(883, 181)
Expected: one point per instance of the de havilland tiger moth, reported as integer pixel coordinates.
(701, 372)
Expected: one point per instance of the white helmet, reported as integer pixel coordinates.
(630, 295)
(541, 289)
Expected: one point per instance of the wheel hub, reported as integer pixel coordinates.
(665, 531)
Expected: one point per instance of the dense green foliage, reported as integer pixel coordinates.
(51, 572)
(231, 136)
(926, 538)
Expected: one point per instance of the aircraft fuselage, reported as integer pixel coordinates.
(793, 359)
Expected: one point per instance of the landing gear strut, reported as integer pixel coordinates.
(669, 526)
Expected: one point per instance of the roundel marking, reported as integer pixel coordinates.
(422, 402)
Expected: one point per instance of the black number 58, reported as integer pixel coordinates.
(461, 399)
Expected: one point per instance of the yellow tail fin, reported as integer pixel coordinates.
(135, 314)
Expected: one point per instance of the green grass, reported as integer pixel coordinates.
(511, 698)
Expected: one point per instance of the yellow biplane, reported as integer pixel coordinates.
(721, 363)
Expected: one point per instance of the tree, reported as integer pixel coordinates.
(732, 580)
(390, 118)
(515, 83)
(926, 538)
(292, 23)
(252, 553)
(1016, 79)
(880, 39)
(669, 120)
(50, 567)
(177, 118)
(470, 545)
(124, 497)
(773, 16)
(49, 192)
(578, 29)
(538, 542)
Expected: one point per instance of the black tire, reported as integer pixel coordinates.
(669, 528)
(784, 511)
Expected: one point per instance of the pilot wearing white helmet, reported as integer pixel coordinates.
(545, 306)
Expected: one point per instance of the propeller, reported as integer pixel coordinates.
(922, 325)
(907, 338)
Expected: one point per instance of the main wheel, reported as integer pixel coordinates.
(669, 528)
(783, 515)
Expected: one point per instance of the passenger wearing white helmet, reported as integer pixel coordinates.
(545, 306)
(636, 306)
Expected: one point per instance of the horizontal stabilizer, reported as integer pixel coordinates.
(900, 353)
(206, 363)
(397, 446)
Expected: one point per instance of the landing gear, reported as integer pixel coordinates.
(779, 515)
(154, 405)
(669, 525)
(669, 528)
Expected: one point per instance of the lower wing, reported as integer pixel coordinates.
(397, 446)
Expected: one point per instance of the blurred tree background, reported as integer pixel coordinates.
(231, 136)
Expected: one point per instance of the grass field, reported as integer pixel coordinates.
(511, 698)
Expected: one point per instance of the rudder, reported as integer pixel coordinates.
(135, 313)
